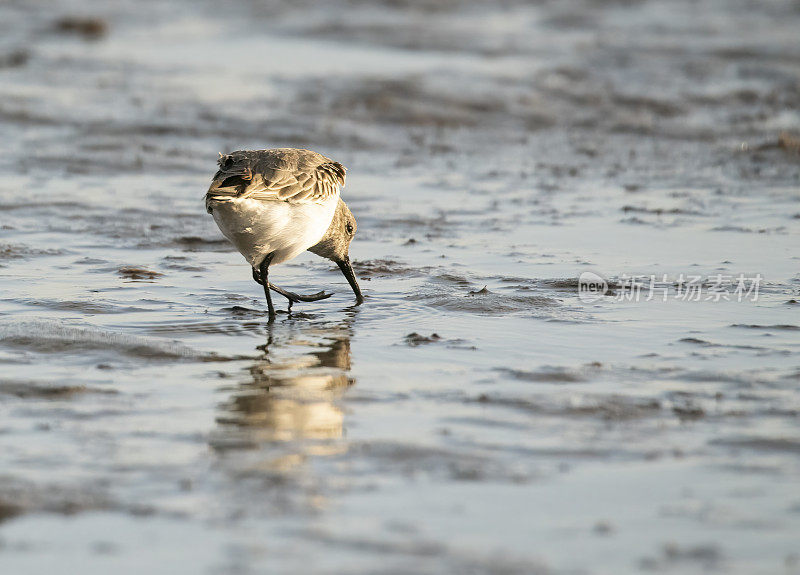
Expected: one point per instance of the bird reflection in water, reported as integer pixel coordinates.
(287, 403)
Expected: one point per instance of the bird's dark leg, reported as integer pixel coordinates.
(263, 269)
(291, 296)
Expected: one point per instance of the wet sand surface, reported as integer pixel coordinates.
(474, 415)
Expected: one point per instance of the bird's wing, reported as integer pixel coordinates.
(295, 176)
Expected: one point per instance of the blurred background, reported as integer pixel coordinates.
(474, 416)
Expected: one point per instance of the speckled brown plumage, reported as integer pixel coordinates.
(273, 204)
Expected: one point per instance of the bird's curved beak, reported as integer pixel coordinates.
(348, 272)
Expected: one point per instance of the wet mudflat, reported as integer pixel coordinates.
(475, 415)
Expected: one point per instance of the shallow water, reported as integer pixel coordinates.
(475, 414)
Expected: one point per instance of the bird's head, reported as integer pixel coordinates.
(335, 244)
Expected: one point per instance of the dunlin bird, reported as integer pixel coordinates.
(275, 204)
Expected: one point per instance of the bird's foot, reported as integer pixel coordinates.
(296, 297)
(289, 295)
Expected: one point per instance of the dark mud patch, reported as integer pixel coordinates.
(487, 303)
(776, 327)
(9, 510)
(240, 312)
(410, 545)
(19, 498)
(433, 227)
(673, 556)
(786, 142)
(704, 343)
(618, 408)
(761, 444)
(14, 59)
(660, 211)
(180, 263)
(452, 279)
(363, 545)
(656, 106)
(18, 251)
(607, 408)
(87, 307)
(789, 143)
(233, 327)
(547, 375)
(134, 227)
(414, 339)
(34, 390)
(741, 378)
(413, 460)
(50, 337)
(87, 261)
(688, 411)
(368, 269)
(410, 102)
(561, 284)
(87, 28)
(747, 230)
(200, 244)
(136, 273)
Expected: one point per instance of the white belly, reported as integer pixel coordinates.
(258, 228)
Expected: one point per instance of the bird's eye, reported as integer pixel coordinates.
(349, 228)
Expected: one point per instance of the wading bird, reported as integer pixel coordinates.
(275, 204)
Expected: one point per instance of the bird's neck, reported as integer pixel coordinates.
(331, 243)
